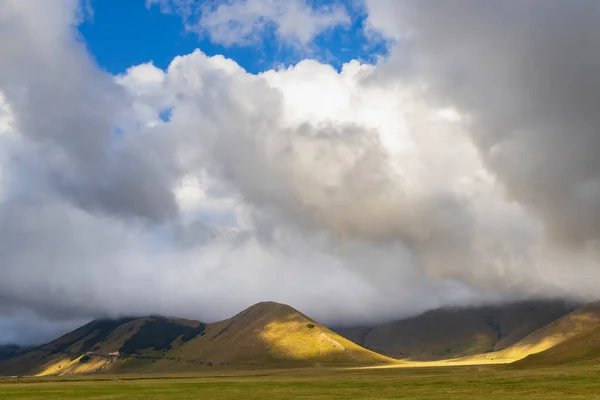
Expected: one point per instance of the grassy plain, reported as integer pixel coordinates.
(483, 382)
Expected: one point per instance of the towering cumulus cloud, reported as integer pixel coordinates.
(461, 169)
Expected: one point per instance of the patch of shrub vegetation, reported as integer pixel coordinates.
(495, 325)
(222, 331)
(310, 326)
(84, 359)
(159, 334)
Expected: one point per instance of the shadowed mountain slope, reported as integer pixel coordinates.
(9, 351)
(100, 343)
(573, 338)
(452, 333)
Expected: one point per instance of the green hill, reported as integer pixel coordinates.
(276, 333)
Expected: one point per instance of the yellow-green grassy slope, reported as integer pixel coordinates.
(573, 338)
(276, 333)
(266, 335)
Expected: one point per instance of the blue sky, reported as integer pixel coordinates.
(121, 34)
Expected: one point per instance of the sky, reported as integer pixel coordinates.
(121, 34)
(360, 160)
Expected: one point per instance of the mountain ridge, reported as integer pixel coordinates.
(274, 335)
(266, 333)
(446, 333)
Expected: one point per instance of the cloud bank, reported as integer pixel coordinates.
(459, 170)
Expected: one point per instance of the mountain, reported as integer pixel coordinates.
(449, 333)
(274, 332)
(9, 351)
(573, 338)
(93, 346)
(264, 335)
(272, 335)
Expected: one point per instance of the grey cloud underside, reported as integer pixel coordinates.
(527, 73)
(65, 106)
(319, 212)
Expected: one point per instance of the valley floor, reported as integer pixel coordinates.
(483, 382)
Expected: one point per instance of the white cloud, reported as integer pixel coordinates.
(335, 153)
(354, 196)
(7, 118)
(244, 22)
(7, 121)
(183, 7)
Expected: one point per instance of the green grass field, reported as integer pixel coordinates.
(573, 382)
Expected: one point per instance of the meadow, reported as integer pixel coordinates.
(484, 382)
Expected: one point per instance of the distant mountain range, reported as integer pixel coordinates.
(272, 335)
